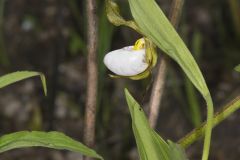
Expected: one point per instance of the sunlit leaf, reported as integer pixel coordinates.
(21, 75)
(53, 140)
(154, 25)
(150, 145)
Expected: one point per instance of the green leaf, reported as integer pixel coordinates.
(155, 25)
(114, 16)
(53, 140)
(21, 75)
(237, 68)
(150, 145)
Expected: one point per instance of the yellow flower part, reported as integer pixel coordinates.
(139, 44)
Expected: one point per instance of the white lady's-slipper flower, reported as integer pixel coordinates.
(134, 62)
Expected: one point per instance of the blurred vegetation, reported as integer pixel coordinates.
(50, 37)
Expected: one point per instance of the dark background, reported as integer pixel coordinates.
(50, 36)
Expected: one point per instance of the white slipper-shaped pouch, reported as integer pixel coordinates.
(132, 62)
(126, 61)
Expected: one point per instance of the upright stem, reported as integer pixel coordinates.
(209, 126)
(92, 79)
(158, 85)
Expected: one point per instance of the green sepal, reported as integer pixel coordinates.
(114, 16)
(142, 75)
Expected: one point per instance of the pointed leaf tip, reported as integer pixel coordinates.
(126, 91)
(44, 83)
(150, 145)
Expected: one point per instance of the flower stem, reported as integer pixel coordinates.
(209, 126)
(224, 113)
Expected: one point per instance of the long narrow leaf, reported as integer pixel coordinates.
(53, 140)
(21, 75)
(154, 24)
(150, 145)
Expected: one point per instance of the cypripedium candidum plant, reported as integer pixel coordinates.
(134, 62)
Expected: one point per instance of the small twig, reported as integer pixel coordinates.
(158, 85)
(197, 133)
(92, 79)
(157, 91)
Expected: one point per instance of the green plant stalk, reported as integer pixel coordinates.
(209, 126)
(224, 113)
